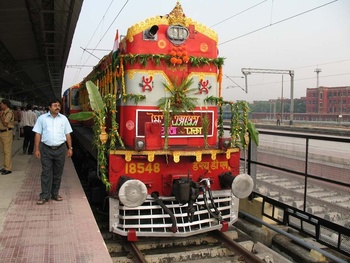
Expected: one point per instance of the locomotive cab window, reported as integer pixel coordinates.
(177, 34)
(75, 97)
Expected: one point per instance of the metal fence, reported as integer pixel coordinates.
(304, 181)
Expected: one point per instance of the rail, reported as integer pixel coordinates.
(311, 175)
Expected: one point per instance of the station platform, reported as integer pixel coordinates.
(60, 232)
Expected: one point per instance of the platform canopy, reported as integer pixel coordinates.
(35, 39)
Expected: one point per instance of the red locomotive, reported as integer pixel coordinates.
(167, 165)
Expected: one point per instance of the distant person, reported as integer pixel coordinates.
(37, 112)
(53, 130)
(278, 119)
(28, 122)
(21, 128)
(17, 129)
(7, 123)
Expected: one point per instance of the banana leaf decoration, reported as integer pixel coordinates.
(253, 132)
(81, 116)
(95, 97)
(96, 103)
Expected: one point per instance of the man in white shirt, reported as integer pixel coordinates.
(53, 132)
(28, 122)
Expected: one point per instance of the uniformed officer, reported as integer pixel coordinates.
(7, 124)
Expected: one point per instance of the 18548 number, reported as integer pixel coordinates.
(140, 168)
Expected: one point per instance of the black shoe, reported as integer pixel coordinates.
(6, 172)
(2, 170)
(57, 198)
(42, 201)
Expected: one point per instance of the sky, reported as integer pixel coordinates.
(287, 35)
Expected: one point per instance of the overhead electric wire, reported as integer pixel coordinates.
(91, 53)
(108, 28)
(103, 17)
(84, 49)
(222, 21)
(278, 22)
(295, 80)
(113, 22)
(327, 63)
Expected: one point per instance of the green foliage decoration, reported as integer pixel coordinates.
(179, 101)
(135, 97)
(205, 125)
(100, 108)
(113, 133)
(143, 59)
(219, 102)
(241, 127)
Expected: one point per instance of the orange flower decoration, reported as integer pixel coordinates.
(173, 60)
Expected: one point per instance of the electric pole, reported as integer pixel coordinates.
(247, 71)
(317, 70)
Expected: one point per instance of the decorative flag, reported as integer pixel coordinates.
(116, 42)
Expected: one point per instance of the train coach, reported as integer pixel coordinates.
(156, 106)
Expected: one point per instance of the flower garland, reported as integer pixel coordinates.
(241, 127)
(176, 54)
(220, 81)
(239, 124)
(219, 102)
(98, 126)
(118, 72)
(205, 125)
(113, 133)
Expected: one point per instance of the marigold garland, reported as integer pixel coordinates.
(143, 59)
(220, 81)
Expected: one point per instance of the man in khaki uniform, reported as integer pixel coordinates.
(7, 123)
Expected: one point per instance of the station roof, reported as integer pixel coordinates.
(35, 39)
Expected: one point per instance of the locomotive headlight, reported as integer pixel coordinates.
(242, 185)
(139, 145)
(133, 193)
(226, 143)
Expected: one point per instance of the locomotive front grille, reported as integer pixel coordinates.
(150, 219)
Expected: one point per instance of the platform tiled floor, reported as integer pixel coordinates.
(55, 232)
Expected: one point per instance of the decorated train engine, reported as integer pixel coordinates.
(162, 153)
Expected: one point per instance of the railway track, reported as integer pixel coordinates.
(213, 247)
(233, 246)
(323, 200)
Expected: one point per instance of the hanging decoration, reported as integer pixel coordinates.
(240, 127)
(178, 56)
